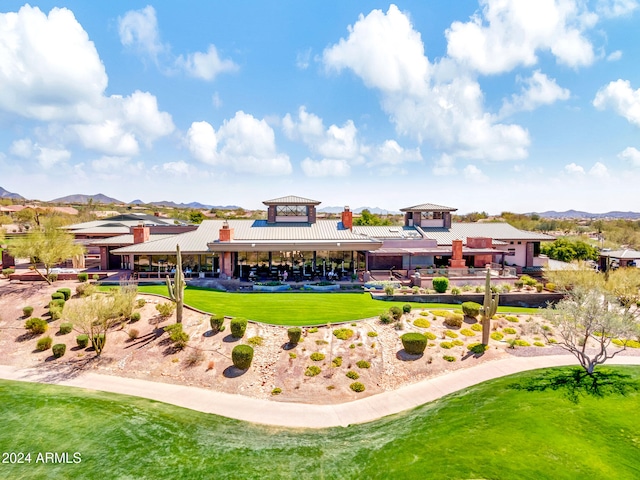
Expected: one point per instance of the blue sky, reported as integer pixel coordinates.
(481, 105)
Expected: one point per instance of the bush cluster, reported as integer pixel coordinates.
(57, 303)
(65, 328)
(36, 325)
(471, 309)
(357, 387)
(312, 371)
(86, 289)
(343, 333)
(511, 318)
(317, 356)
(135, 317)
(396, 313)
(294, 334)
(66, 292)
(44, 343)
(453, 319)
(449, 358)
(414, 343)
(509, 331)
(497, 336)
(451, 334)
(242, 356)
(476, 327)
(446, 345)
(57, 295)
(372, 334)
(82, 340)
(522, 343)
(422, 323)
(177, 335)
(256, 341)
(467, 333)
(59, 349)
(363, 364)
(477, 348)
(440, 284)
(83, 277)
(166, 309)
(141, 302)
(386, 318)
(238, 327)
(337, 362)
(27, 311)
(8, 271)
(352, 375)
(216, 321)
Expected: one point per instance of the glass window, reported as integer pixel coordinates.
(291, 210)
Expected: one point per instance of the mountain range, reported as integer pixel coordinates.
(7, 194)
(587, 215)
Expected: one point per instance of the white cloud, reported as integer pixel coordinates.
(537, 90)
(325, 167)
(205, 66)
(216, 100)
(303, 58)
(109, 164)
(391, 153)
(631, 155)
(138, 29)
(140, 112)
(599, 170)
(614, 56)
(243, 143)
(474, 174)
(621, 98)
(22, 148)
(107, 137)
(574, 169)
(51, 70)
(444, 166)
(509, 33)
(48, 157)
(616, 8)
(437, 103)
(178, 168)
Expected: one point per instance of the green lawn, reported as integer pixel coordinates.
(296, 308)
(489, 431)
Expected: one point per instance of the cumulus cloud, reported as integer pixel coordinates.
(574, 169)
(616, 8)
(631, 155)
(391, 153)
(139, 31)
(614, 56)
(303, 58)
(205, 66)
(48, 157)
(109, 163)
(325, 167)
(437, 103)
(506, 34)
(474, 174)
(178, 168)
(243, 143)
(537, 90)
(621, 98)
(22, 148)
(599, 170)
(444, 166)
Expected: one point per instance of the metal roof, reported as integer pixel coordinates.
(129, 220)
(128, 239)
(114, 230)
(291, 200)
(428, 207)
(387, 231)
(622, 254)
(497, 231)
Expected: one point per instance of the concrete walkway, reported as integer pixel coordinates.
(299, 415)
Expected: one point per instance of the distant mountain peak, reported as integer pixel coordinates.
(7, 194)
(81, 198)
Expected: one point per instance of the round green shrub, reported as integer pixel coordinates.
(317, 356)
(497, 336)
(396, 312)
(449, 358)
(55, 311)
(457, 343)
(343, 333)
(27, 311)
(135, 317)
(36, 325)
(83, 277)
(59, 349)
(453, 320)
(451, 334)
(44, 343)
(422, 323)
(430, 336)
(357, 387)
(467, 333)
(522, 343)
(66, 292)
(82, 340)
(58, 302)
(386, 318)
(241, 356)
(414, 343)
(65, 328)
(512, 318)
(446, 345)
(312, 371)
(406, 308)
(538, 344)
(216, 321)
(476, 327)
(294, 334)
(312, 330)
(141, 302)
(337, 362)
(455, 291)
(276, 391)
(352, 375)
(363, 364)
(238, 327)
(440, 284)
(372, 334)
(389, 290)
(57, 296)
(471, 309)
(477, 348)
(509, 330)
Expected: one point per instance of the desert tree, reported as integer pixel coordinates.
(47, 246)
(586, 322)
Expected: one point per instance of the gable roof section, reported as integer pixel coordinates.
(291, 200)
(498, 231)
(428, 207)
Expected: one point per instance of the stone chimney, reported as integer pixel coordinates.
(347, 218)
(140, 233)
(225, 233)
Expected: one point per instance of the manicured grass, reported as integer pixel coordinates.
(489, 431)
(294, 308)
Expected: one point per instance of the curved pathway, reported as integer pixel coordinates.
(300, 415)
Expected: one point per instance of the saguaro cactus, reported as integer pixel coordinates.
(176, 288)
(489, 308)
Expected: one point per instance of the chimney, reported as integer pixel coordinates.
(225, 234)
(156, 214)
(140, 233)
(347, 218)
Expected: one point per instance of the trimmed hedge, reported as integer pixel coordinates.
(66, 292)
(27, 311)
(83, 277)
(82, 340)
(57, 302)
(406, 308)
(414, 343)
(238, 327)
(57, 295)
(216, 321)
(440, 284)
(36, 325)
(65, 328)
(135, 317)
(396, 313)
(471, 309)
(44, 343)
(242, 356)
(294, 334)
(59, 350)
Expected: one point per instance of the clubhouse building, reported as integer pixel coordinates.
(292, 243)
